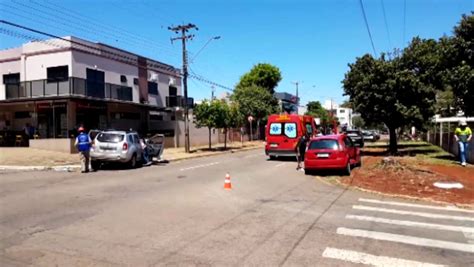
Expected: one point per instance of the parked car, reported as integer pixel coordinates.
(156, 145)
(356, 136)
(369, 136)
(332, 152)
(116, 146)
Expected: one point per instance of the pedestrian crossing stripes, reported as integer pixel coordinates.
(401, 204)
(415, 213)
(461, 226)
(368, 259)
(405, 239)
(433, 226)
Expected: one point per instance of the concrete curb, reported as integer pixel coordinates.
(71, 168)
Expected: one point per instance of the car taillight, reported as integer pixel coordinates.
(125, 146)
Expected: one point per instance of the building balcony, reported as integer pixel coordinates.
(70, 87)
(178, 101)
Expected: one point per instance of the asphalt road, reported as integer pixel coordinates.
(179, 214)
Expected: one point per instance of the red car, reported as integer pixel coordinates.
(332, 152)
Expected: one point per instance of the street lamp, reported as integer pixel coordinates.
(200, 50)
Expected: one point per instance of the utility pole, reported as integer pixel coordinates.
(212, 93)
(184, 29)
(297, 83)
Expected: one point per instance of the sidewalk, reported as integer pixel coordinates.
(24, 158)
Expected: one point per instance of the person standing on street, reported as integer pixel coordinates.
(301, 150)
(463, 135)
(83, 145)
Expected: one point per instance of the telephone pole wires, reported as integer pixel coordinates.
(184, 29)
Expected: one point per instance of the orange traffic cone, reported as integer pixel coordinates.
(227, 184)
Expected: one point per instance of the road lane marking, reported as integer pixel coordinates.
(394, 203)
(414, 224)
(469, 236)
(369, 259)
(281, 164)
(406, 239)
(414, 213)
(251, 156)
(199, 166)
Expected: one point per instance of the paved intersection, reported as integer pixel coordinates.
(179, 214)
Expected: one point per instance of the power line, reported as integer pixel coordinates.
(367, 26)
(205, 80)
(386, 24)
(49, 17)
(81, 17)
(92, 49)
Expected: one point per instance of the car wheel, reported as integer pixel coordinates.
(133, 162)
(272, 157)
(95, 165)
(307, 172)
(347, 170)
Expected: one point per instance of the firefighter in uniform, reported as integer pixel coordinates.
(83, 144)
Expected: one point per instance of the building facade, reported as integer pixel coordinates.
(59, 84)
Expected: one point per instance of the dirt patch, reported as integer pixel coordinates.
(414, 177)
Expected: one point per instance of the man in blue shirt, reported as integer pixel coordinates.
(83, 144)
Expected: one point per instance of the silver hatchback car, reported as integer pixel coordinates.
(116, 146)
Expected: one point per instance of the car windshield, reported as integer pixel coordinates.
(324, 144)
(110, 137)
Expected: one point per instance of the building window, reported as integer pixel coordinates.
(95, 83)
(342, 111)
(152, 88)
(13, 78)
(57, 74)
(135, 81)
(125, 93)
(123, 78)
(173, 91)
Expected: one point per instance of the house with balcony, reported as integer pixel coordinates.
(57, 85)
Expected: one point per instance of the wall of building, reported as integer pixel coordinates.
(36, 65)
(345, 116)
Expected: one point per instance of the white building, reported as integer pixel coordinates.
(345, 116)
(56, 85)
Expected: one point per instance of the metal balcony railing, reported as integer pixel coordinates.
(178, 101)
(71, 86)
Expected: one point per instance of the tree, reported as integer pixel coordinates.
(385, 91)
(211, 114)
(346, 104)
(262, 75)
(315, 109)
(459, 58)
(358, 122)
(255, 101)
(234, 119)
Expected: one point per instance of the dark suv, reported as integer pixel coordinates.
(356, 137)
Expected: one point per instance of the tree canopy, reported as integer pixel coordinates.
(385, 91)
(262, 75)
(255, 101)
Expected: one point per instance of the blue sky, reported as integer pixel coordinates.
(310, 41)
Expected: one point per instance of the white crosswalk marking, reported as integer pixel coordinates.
(402, 204)
(414, 224)
(382, 224)
(405, 239)
(368, 259)
(414, 213)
